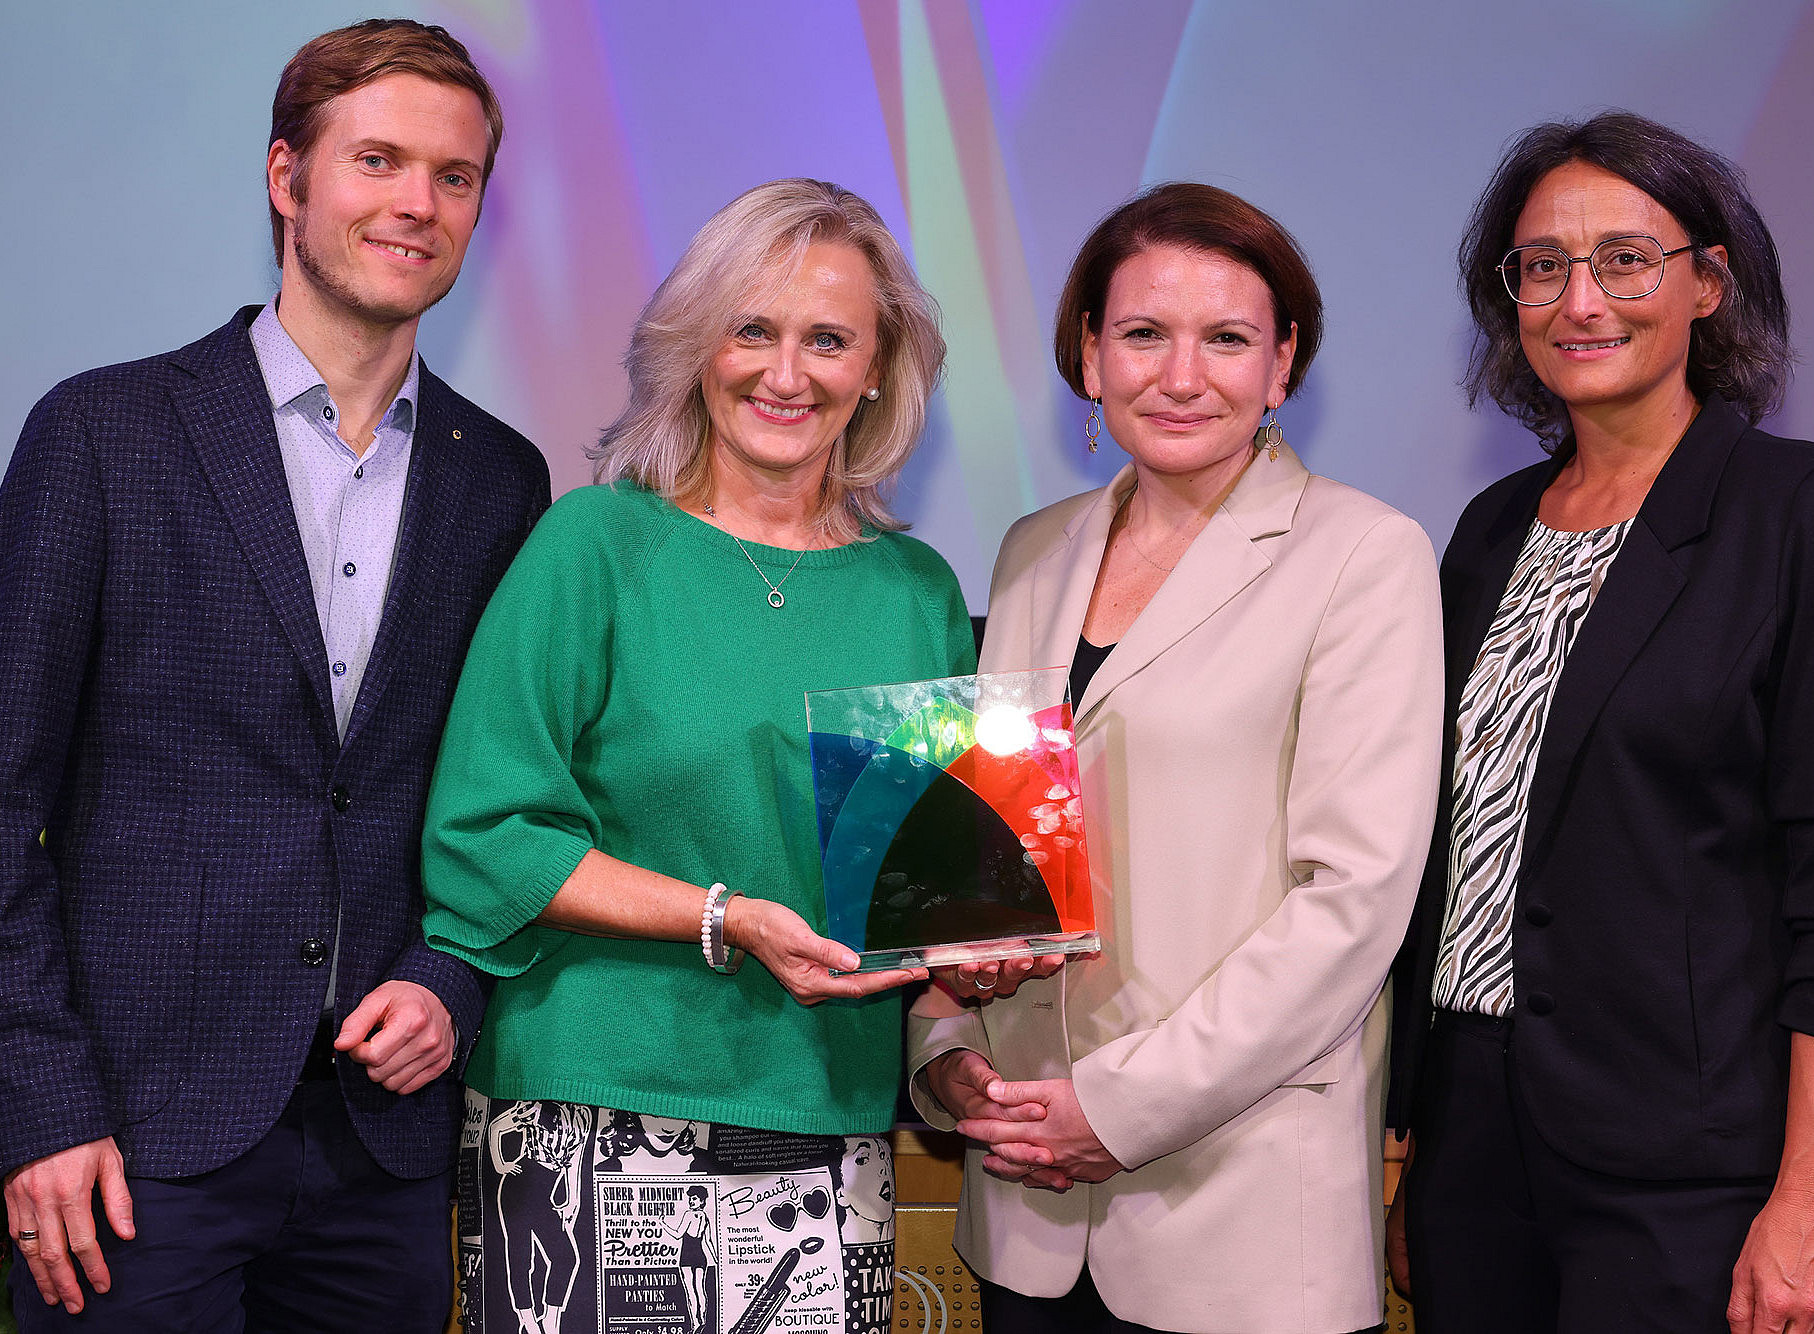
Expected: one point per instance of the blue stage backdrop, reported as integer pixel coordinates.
(990, 133)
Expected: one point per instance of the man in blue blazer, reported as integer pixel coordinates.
(238, 583)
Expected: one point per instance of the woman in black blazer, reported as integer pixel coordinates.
(1607, 996)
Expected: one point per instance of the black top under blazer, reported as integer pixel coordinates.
(1663, 940)
(166, 720)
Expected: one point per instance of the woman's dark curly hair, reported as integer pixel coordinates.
(1740, 352)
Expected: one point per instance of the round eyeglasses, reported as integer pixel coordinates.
(1626, 267)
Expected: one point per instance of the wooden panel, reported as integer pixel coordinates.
(928, 1166)
(929, 1272)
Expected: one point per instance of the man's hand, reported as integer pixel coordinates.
(54, 1197)
(401, 1034)
(1058, 1147)
(1773, 1282)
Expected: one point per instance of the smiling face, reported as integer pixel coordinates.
(1591, 350)
(1188, 359)
(869, 1190)
(780, 390)
(392, 192)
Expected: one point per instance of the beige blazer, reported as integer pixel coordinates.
(1259, 758)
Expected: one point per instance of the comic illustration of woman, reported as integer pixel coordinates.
(697, 1254)
(641, 1144)
(538, 1150)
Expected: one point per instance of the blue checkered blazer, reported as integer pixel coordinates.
(166, 721)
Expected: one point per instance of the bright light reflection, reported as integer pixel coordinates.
(1004, 730)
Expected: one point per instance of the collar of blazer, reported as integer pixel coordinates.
(1225, 557)
(221, 401)
(1643, 583)
(225, 411)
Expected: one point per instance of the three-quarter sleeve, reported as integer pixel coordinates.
(507, 820)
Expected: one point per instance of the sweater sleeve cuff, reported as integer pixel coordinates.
(496, 941)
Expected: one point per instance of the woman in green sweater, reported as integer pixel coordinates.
(624, 806)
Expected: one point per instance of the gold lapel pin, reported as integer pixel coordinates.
(456, 435)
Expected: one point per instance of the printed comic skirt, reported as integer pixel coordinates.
(587, 1218)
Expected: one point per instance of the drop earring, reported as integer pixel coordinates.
(1269, 437)
(1092, 424)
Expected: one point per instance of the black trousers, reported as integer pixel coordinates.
(1079, 1311)
(1509, 1237)
(302, 1234)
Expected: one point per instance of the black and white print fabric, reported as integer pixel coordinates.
(582, 1218)
(1498, 732)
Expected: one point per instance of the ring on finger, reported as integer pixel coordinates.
(27, 1234)
(985, 986)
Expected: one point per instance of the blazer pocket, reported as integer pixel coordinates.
(1325, 1069)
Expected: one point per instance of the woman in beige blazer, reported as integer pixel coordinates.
(1183, 1133)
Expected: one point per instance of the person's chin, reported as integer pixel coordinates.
(399, 303)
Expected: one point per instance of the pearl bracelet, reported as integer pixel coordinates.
(711, 930)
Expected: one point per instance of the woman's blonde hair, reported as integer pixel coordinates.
(745, 252)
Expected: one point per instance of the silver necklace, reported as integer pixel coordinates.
(1138, 551)
(775, 599)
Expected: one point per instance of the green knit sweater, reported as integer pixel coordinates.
(630, 689)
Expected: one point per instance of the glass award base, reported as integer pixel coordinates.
(976, 951)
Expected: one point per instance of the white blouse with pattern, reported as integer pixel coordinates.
(1498, 733)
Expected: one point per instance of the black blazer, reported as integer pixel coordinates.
(1663, 941)
(166, 720)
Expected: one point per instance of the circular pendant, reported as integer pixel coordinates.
(774, 597)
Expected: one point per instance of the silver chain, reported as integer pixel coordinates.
(775, 599)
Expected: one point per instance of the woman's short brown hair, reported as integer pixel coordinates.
(338, 62)
(1193, 217)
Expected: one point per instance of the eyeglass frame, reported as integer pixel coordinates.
(1505, 267)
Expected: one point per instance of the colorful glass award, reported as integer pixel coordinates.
(950, 819)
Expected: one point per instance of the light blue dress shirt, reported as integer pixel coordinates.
(349, 507)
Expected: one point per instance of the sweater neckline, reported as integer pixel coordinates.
(717, 539)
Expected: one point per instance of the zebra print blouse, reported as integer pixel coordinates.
(1497, 735)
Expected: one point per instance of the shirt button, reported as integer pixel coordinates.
(340, 669)
(1538, 915)
(349, 569)
(328, 412)
(359, 471)
(341, 798)
(1540, 1003)
(313, 952)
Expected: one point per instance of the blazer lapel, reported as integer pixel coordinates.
(1489, 575)
(1223, 560)
(1065, 577)
(226, 411)
(1643, 583)
(440, 473)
